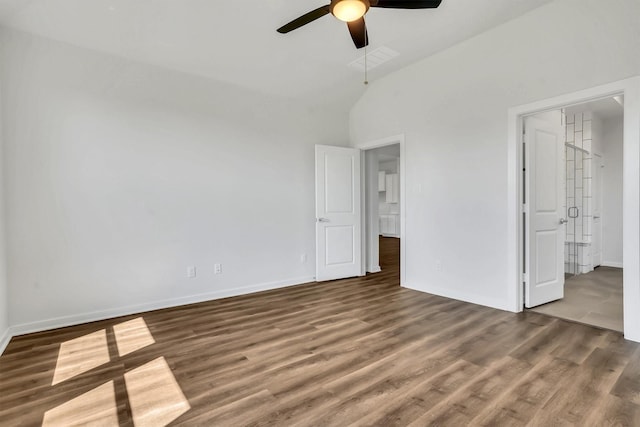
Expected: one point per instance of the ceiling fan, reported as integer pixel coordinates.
(352, 12)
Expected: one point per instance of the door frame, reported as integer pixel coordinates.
(370, 145)
(594, 184)
(630, 89)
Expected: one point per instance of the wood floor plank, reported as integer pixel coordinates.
(590, 382)
(465, 403)
(580, 344)
(627, 387)
(612, 411)
(527, 395)
(411, 402)
(360, 351)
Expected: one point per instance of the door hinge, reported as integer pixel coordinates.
(525, 278)
(525, 208)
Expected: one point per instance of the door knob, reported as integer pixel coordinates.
(563, 221)
(323, 219)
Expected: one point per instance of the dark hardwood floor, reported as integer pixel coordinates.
(360, 351)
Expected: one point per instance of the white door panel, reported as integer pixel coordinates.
(546, 172)
(547, 258)
(544, 155)
(339, 177)
(337, 212)
(339, 242)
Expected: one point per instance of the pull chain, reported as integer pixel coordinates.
(366, 79)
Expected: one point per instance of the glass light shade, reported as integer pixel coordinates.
(349, 10)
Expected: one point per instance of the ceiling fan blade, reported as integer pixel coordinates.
(358, 31)
(305, 19)
(406, 4)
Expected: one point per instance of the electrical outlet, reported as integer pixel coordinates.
(191, 272)
(439, 266)
(217, 268)
(303, 258)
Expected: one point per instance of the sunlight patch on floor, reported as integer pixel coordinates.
(80, 355)
(154, 394)
(132, 335)
(96, 407)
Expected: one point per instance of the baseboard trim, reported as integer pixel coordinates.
(375, 269)
(613, 264)
(61, 322)
(4, 340)
(461, 296)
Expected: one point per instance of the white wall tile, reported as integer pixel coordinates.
(586, 168)
(577, 140)
(586, 188)
(570, 132)
(586, 130)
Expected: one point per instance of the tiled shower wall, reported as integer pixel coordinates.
(578, 193)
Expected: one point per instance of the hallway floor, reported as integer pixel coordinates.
(594, 299)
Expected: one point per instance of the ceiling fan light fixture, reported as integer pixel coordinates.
(349, 10)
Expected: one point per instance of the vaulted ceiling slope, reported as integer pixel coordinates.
(237, 42)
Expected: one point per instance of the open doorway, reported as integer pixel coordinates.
(573, 221)
(383, 219)
(630, 89)
(383, 207)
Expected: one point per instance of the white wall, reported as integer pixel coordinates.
(612, 130)
(4, 303)
(119, 175)
(452, 108)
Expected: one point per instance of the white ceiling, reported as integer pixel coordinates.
(236, 41)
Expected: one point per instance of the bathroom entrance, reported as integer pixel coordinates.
(575, 229)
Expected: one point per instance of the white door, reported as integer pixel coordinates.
(596, 232)
(338, 250)
(545, 232)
